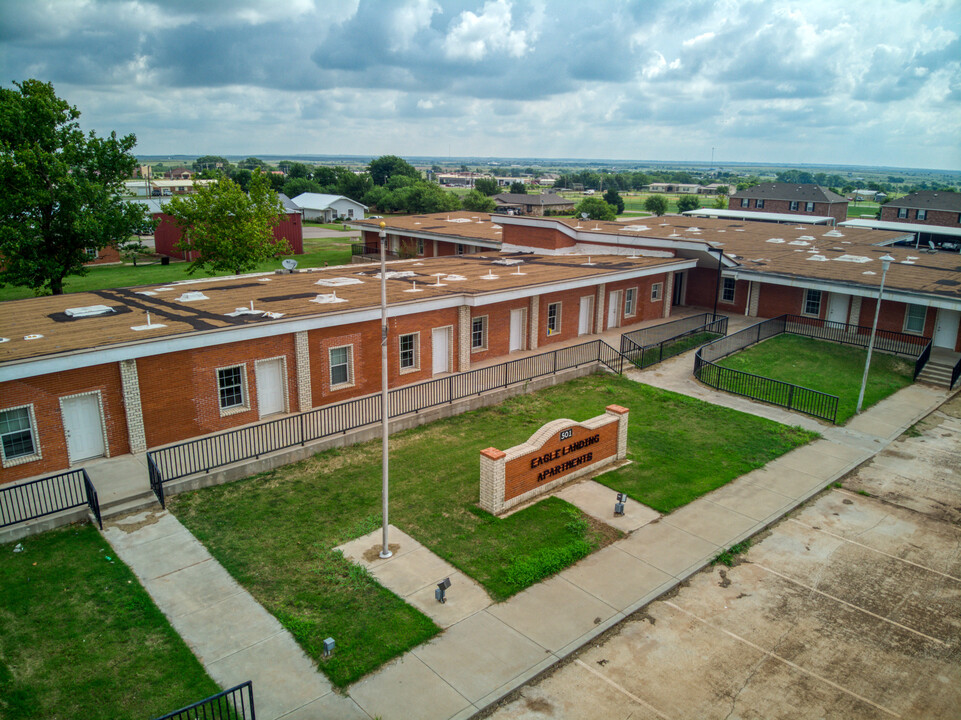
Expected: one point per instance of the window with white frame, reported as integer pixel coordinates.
(921, 214)
(902, 213)
(478, 333)
(728, 287)
(630, 302)
(657, 291)
(232, 388)
(809, 207)
(409, 352)
(553, 318)
(812, 303)
(794, 205)
(745, 202)
(420, 246)
(759, 204)
(341, 365)
(914, 317)
(18, 435)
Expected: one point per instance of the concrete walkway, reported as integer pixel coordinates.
(487, 650)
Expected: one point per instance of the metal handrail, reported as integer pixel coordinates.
(641, 353)
(48, 495)
(236, 703)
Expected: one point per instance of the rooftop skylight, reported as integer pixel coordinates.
(88, 311)
(339, 281)
(192, 296)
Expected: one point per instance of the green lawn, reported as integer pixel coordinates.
(825, 367)
(333, 251)
(80, 637)
(274, 532)
(681, 345)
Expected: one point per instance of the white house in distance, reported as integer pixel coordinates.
(327, 208)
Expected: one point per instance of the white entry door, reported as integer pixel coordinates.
(586, 317)
(270, 387)
(82, 426)
(838, 308)
(614, 310)
(946, 329)
(440, 351)
(517, 330)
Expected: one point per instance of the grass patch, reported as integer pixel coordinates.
(317, 253)
(729, 557)
(825, 367)
(681, 345)
(80, 637)
(275, 532)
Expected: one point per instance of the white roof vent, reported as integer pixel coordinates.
(192, 296)
(637, 228)
(776, 241)
(853, 258)
(803, 243)
(818, 258)
(454, 278)
(339, 281)
(88, 311)
(508, 261)
(394, 274)
(833, 233)
(328, 299)
(459, 220)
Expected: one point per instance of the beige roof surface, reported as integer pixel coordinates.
(460, 223)
(289, 296)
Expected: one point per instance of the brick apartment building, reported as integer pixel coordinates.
(928, 207)
(88, 374)
(790, 198)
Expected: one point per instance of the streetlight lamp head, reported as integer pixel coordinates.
(383, 224)
(886, 261)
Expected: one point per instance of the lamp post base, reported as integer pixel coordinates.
(384, 554)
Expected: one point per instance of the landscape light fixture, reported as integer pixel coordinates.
(385, 550)
(328, 647)
(440, 594)
(886, 261)
(619, 505)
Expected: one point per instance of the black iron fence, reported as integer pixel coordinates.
(651, 345)
(796, 397)
(45, 496)
(237, 703)
(955, 374)
(253, 441)
(373, 253)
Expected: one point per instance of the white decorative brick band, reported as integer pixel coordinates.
(599, 308)
(302, 350)
(755, 290)
(535, 321)
(854, 314)
(668, 295)
(130, 383)
(463, 338)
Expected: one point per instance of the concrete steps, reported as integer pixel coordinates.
(935, 373)
(123, 505)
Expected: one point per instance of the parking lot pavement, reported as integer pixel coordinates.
(850, 607)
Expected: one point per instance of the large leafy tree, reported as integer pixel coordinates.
(518, 188)
(612, 197)
(656, 204)
(387, 166)
(688, 202)
(231, 231)
(478, 202)
(61, 189)
(488, 186)
(596, 209)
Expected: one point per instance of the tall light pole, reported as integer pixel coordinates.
(886, 261)
(385, 550)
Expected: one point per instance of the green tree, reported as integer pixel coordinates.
(212, 165)
(720, 202)
(488, 186)
(298, 170)
(231, 231)
(386, 166)
(688, 202)
(723, 190)
(478, 202)
(596, 209)
(298, 186)
(61, 189)
(656, 204)
(612, 197)
(252, 163)
(518, 188)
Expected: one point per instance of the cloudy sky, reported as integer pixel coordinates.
(871, 82)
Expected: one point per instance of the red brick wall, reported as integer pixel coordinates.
(777, 300)
(892, 316)
(44, 393)
(499, 328)
(179, 393)
(168, 234)
(646, 308)
(935, 217)
(570, 309)
(535, 237)
(838, 210)
(108, 254)
(700, 291)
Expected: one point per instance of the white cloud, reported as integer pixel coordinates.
(474, 37)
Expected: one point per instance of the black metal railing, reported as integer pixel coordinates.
(955, 374)
(253, 441)
(650, 346)
(372, 253)
(156, 481)
(796, 397)
(45, 496)
(236, 703)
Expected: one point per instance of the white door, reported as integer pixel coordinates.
(441, 350)
(838, 308)
(270, 387)
(587, 315)
(83, 427)
(614, 310)
(946, 329)
(517, 329)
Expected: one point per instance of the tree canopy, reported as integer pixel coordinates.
(230, 230)
(387, 166)
(411, 196)
(656, 204)
(212, 165)
(478, 202)
(596, 209)
(488, 186)
(688, 202)
(518, 188)
(612, 197)
(61, 189)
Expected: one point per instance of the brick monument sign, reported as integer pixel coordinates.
(559, 452)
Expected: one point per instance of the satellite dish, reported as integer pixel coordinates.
(290, 264)
(583, 216)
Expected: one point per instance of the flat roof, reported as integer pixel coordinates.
(762, 216)
(903, 227)
(39, 327)
(441, 226)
